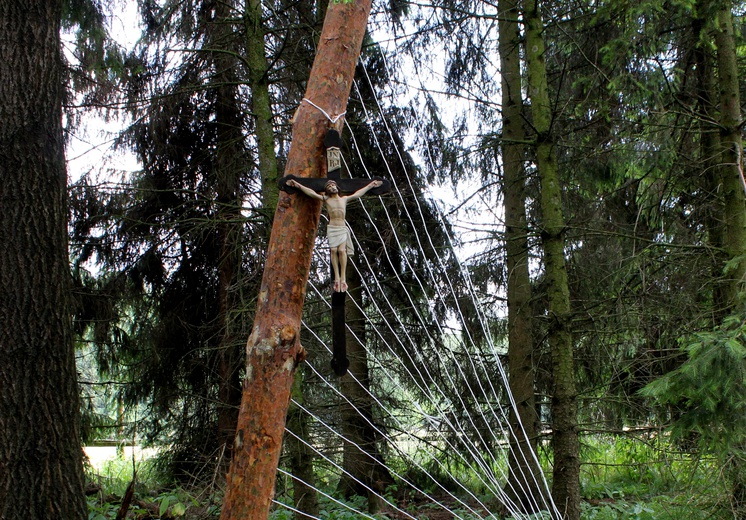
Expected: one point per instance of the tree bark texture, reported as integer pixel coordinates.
(305, 497)
(41, 470)
(709, 139)
(734, 202)
(730, 160)
(261, 105)
(566, 471)
(525, 476)
(274, 349)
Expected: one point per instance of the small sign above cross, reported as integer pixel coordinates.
(333, 143)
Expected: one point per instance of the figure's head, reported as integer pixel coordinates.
(331, 188)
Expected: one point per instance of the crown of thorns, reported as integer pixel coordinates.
(329, 183)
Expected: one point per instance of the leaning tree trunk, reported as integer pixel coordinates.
(524, 486)
(274, 349)
(41, 470)
(305, 497)
(566, 473)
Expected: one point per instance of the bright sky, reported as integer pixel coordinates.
(89, 149)
(89, 145)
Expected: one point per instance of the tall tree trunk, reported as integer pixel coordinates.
(41, 469)
(228, 169)
(523, 485)
(362, 460)
(261, 105)
(730, 160)
(734, 204)
(274, 349)
(709, 139)
(566, 472)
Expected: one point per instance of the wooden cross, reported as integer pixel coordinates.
(332, 143)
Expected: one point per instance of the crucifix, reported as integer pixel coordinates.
(335, 192)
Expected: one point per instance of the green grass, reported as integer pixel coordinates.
(153, 499)
(622, 478)
(645, 478)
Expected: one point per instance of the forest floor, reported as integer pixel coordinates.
(172, 505)
(446, 508)
(646, 487)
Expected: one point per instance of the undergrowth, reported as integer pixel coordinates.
(151, 499)
(643, 478)
(622, 478)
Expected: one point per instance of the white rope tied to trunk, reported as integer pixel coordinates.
(333, 120)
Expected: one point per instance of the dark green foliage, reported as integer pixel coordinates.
(97, 62)
(153, 319)
(629, 119)
(706, 398)
(639, 258)
(706, 395)
(172, 247)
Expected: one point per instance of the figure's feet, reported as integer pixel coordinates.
(343, 286)
(336, 285)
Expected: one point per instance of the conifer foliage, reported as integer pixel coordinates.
(602, 146)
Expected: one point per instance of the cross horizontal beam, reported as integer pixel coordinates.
(346, 186)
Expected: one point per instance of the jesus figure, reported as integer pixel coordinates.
(340, 242)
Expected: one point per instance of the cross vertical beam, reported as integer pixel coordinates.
(340, 363)
(313, 188)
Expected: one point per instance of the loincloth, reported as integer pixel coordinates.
(338, 235)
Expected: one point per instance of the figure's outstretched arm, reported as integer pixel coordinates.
(308, 191)
(365, 189)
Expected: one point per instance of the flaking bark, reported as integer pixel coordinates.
(274, 349)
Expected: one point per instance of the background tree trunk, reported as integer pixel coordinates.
(305, 498)
(566, 472)
(41, 471)
(363, 463)
(734, 208)
(261, 105)
(523, 485)
(274, 349)
(228, 169)
(709, 139)
(731, 161)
